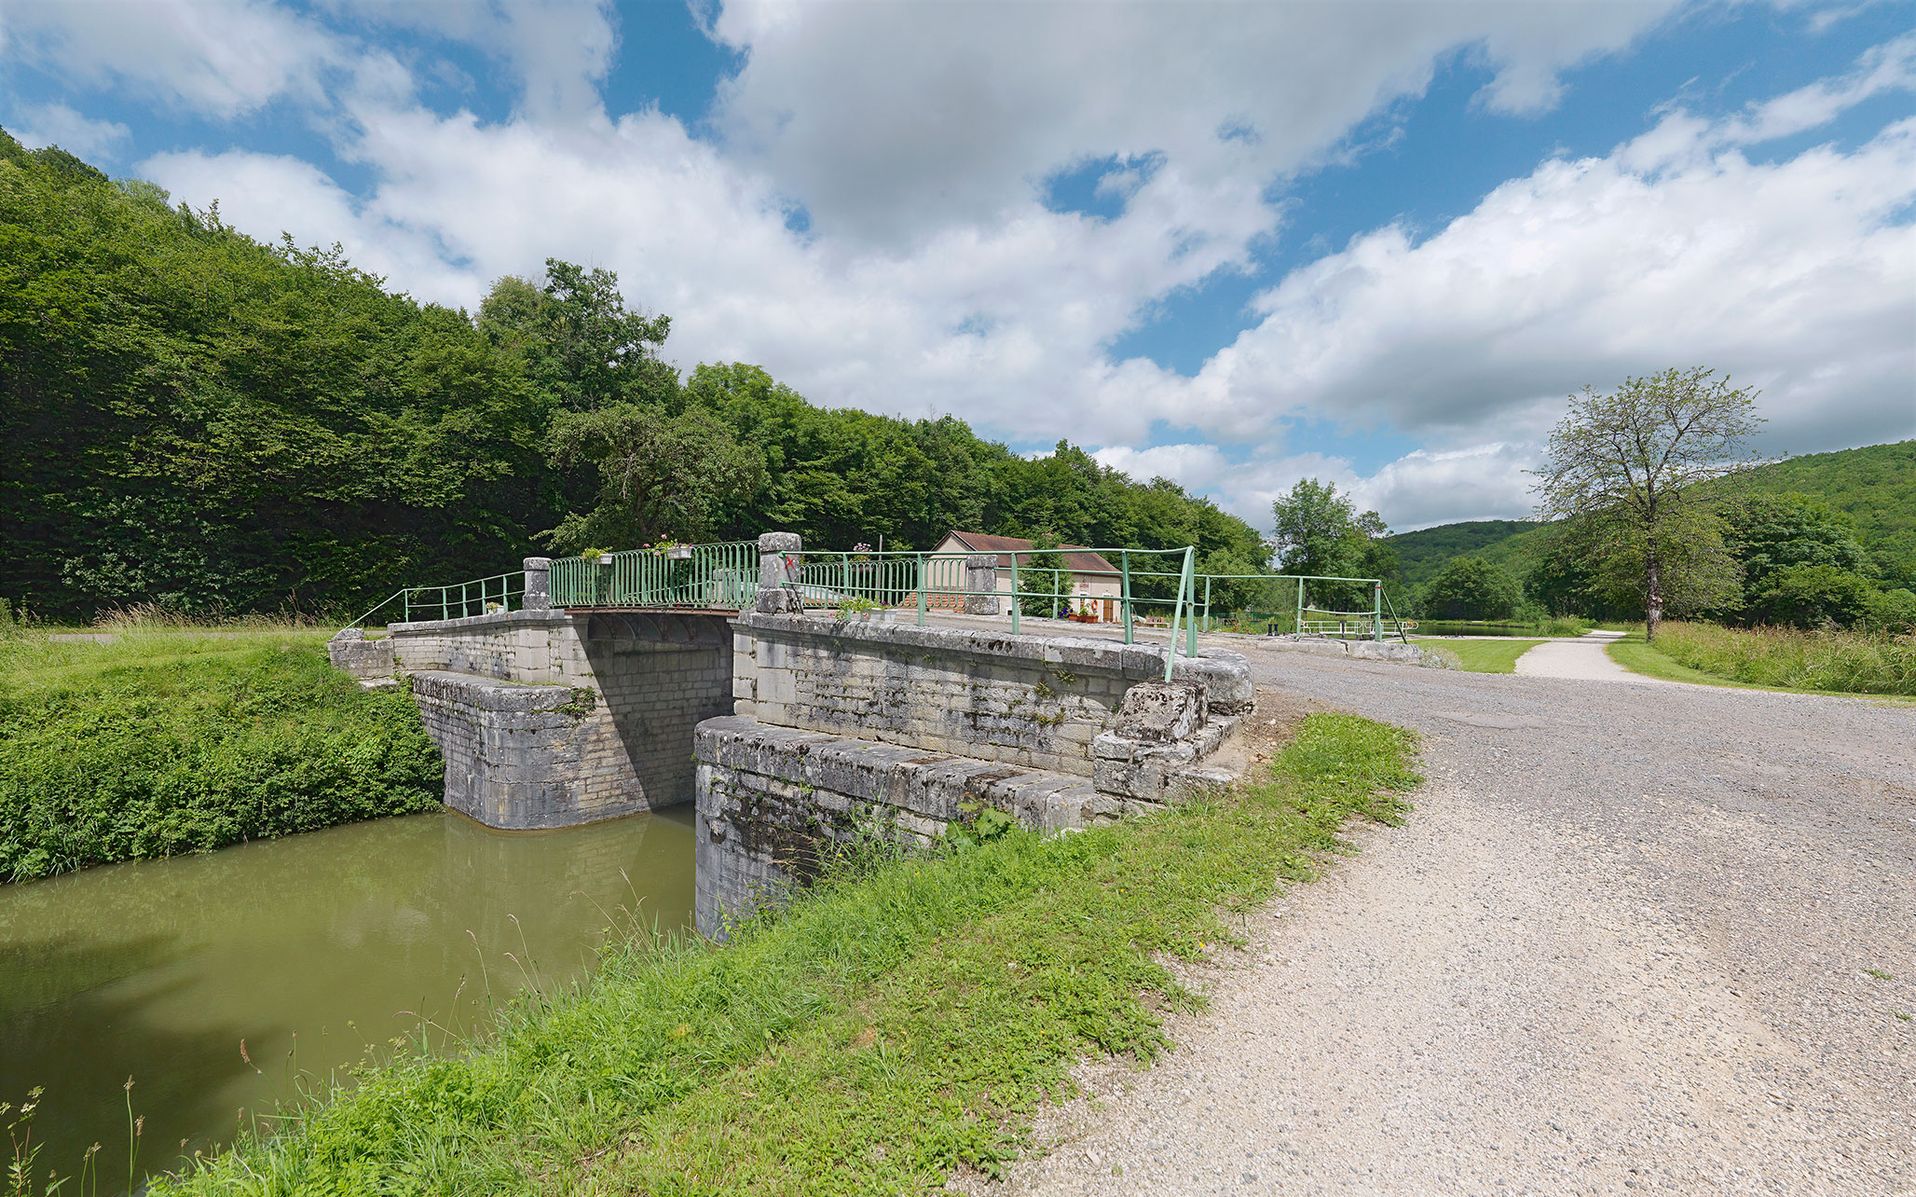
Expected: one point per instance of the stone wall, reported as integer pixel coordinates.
(1021, 700)
(525, 757)
(365, 660)
(873, 727)
(633, 685)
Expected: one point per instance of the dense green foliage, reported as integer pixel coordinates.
(888, 1028)
(1852, 510)
(196, 419)
(1422, 553)
(1845, 662)
(1470, 588)
(168, 742)
(1321, 533)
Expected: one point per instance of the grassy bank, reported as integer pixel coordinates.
(1779, 658)
(160, 742)
(888, 1028)
(1480, 656)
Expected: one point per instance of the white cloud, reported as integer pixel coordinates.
(559, 49)
(56, 124)
(1798, 276)
(1421, 488)
(1889, 67)
(893, 121)
(222, 57)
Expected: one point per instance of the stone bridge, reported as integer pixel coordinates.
(794, 731)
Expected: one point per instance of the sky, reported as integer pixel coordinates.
(1233, 245)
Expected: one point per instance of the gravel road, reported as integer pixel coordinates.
(1582, 658)
(1633, 939)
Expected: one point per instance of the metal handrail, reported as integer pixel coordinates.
(489, 594)
(717, 576)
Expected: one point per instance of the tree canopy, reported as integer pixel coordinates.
(1470, 588)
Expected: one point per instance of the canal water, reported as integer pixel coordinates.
(223, 984)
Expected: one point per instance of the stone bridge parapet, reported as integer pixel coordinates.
(848, 728)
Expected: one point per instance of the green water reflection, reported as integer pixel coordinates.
(305, 949)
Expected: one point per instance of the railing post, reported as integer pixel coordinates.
(921, 590)
(1297, 621)
(778, 559)
(1016, 605)
(1207, 602)
(537, 595)
(1124, 568)
(981, 584)
(1190, 613)
(1377, 610)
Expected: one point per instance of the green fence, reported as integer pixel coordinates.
(713, 577)
(1137, 591)
(1026, 583)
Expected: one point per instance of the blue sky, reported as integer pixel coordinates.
(1233, 245)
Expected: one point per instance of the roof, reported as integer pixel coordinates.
(1077, 558)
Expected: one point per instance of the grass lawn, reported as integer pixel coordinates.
(903, 1020)
(1481, 656)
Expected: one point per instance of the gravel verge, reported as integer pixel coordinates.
(1633, 939)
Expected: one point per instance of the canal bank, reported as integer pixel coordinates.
(229, 982)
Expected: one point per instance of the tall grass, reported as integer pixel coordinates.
(1851, 662)
(900, 1022)
(162, 741)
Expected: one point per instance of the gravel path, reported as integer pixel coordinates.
(1622, 945)
(1583, 658)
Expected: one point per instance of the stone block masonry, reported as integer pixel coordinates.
(773, 801)
(526, 757)
(1022, 700)
(363, 659)
(871, 727)
(547, 718)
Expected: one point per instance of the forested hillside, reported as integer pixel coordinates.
(1422, 553)
(196, 419)
(1872, 488)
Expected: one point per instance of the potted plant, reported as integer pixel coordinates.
(674, 551)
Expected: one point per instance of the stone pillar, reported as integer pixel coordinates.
(778, 556)
(538, 595)
(981, 585)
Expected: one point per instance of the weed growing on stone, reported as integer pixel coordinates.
(903, 1020)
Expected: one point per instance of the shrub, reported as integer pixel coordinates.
(162, 743)
(1893, 610)
(1808, 596)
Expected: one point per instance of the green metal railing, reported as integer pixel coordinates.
(933, 582)
(480, 596)
(1026, 583)
(713, 577)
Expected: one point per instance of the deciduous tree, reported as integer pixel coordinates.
(1631, 460)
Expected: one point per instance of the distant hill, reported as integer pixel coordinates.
(1874, 485)
(1422, 553)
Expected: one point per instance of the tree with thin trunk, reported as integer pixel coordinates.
(1630, 461)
